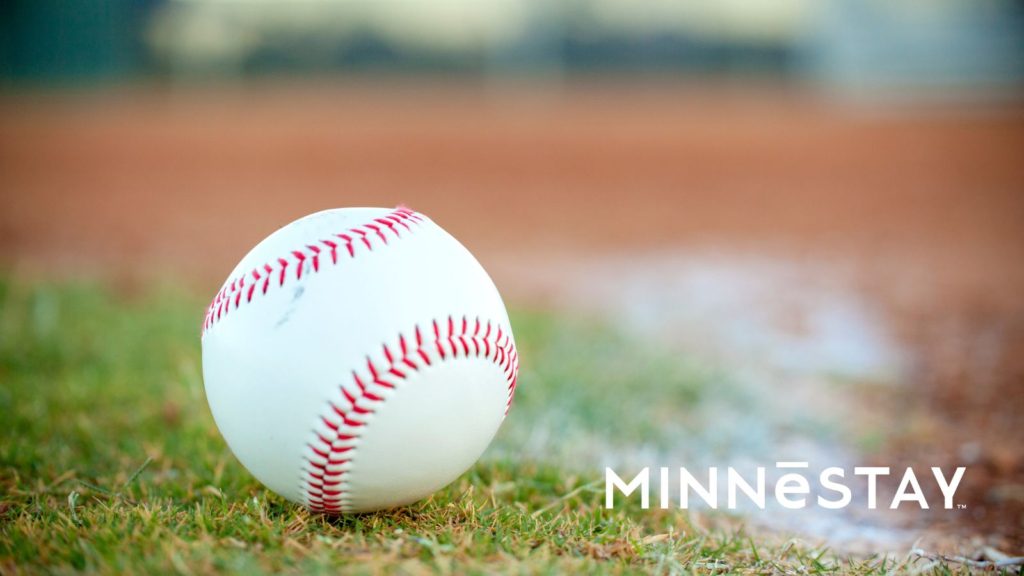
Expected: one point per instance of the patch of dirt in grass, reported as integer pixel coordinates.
(839, 363)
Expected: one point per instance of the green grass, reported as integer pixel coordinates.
(110, 461)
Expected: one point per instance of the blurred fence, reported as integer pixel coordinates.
(844, 43)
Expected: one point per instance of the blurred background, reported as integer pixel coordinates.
(821, 201)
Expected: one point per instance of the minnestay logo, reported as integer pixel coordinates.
(794, 489)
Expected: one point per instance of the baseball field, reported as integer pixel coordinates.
(696, 275)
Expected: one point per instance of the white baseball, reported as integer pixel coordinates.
(358, 359)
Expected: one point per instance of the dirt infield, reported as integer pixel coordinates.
(926, 206)
(149, 179)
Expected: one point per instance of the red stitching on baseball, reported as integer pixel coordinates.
(316, 256)
(363, 236)
(232, 290)
(348, 243)
(334, 249)
(327, 471)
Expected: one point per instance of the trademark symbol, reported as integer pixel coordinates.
(961, 506)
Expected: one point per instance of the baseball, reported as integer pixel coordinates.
(358, 359)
